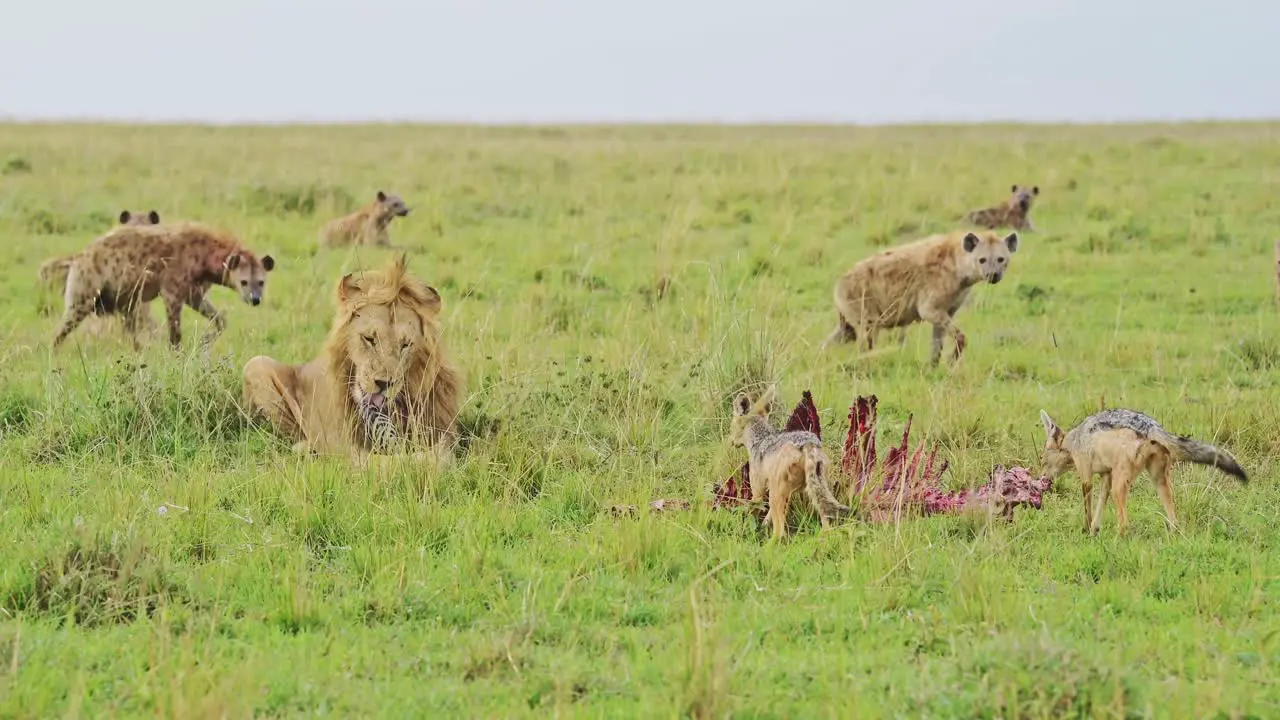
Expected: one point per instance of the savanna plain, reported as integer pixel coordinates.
(607, 291)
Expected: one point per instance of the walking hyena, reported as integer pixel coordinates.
(927, 280)
(130, 266)
(1014, 212)
(366, 226)
(53, 273)
(782, 463)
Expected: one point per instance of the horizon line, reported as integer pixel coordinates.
(617, 123)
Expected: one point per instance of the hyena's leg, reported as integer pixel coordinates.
(268, 389)
(1161, 469)
(935, 351)
(77, 310)
(868, 331)
(130, 321)
(173, 309)
(844, 332)
(942, 324)
(200, 302)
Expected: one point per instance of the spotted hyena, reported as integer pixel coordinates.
(53, 273)
(366, 226)
(928, 280)
(130, 266)
(1013, 213)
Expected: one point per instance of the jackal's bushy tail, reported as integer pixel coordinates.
(816, 484)
(1203, 453)
(55, 269)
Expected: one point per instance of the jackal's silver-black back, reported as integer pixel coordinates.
(1116, 418)
(790, 437)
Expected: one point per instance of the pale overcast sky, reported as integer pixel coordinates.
(650, 60)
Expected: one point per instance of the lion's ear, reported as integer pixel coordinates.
(423, 296)
(348, 288)
(433, 299)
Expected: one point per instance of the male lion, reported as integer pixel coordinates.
(382, 384)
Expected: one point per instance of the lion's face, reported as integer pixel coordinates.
(382, 346)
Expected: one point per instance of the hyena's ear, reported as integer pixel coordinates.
(268, 263)
(1052, 432)
(741, 404)
(970, 242)
(382, 197)
(1012, 242)
(232, 262)
(1015, 189)
(1035, 190)
(154, 217)
(125, 216)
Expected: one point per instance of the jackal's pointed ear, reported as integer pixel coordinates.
(1052, 432)
(970, 242)
(741, 404)
(382, 197)
(154, 217)
(767, 399)
(1012, 242)
(232, 262)
(125, 216)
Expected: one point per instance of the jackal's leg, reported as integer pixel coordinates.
(759, 484)
(779, 500)
(1161, 470)
(1121, 478)
(1101, 504)
(1085, 471)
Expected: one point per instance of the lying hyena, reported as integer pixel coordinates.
(926, 280)
(366, 226)
(130, 266)
(1013, 213)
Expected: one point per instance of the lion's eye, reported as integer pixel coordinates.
(369, 339)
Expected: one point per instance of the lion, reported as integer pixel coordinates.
(382, 385)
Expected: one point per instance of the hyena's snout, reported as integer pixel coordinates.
(995, 277)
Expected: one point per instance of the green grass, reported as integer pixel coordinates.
(273, 585)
